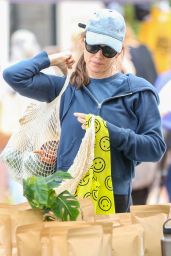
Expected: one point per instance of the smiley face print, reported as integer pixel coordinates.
(99, 164)
(85, 180)
(97, 126)
(95, 194)
(105, 143)
(105, 203)
(108, 183)
(88, 194)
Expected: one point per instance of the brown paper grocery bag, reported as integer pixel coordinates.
(21, 206)
(86, 209)
(54, 237)
(117, 219)
(85, 241)
(45, 244)
(107, 234)
(100, 217)
(58, 237)
(26, 234)
(54, 242)
(128, 241)
(124, 218)
(10, 210)
(107, 238)
(115, 222)
(32, 232)
(149, 210)
(5, 235)
(20, 217)
(105, 218)
(152, 232)
(28, 239)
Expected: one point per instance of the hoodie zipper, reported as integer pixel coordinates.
(99, 104)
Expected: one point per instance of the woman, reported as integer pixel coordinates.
(127, 103)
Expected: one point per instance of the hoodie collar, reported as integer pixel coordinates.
(125, 84)
(120, 84)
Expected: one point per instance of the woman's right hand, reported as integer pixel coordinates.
(63, 60)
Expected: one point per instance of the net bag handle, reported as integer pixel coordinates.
(66, 83)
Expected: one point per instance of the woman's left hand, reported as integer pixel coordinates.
(81, 117)
(46, 157)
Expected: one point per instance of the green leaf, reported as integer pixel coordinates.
(65, 206)
(51, 198)
(40, 194)
(36, 191)
(62, 175)
(54, 180)
(28, 192)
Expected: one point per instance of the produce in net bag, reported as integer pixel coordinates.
(32, 150)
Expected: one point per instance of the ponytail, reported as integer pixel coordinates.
(80, 77)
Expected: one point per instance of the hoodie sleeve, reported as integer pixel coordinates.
(145, 145)
(26, 78)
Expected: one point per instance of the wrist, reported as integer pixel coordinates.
(52, 59)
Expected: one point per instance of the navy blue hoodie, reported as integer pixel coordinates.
(131, 112)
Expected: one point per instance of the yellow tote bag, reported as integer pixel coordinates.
(97, 182)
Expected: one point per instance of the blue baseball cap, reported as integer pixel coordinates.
(106, 27)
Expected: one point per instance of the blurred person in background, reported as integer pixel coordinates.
(160, 42)
(154, 32)
(165, 110)
(113, 5)
(163, 78)
(127, 103)
(23, 45)
(141, 57)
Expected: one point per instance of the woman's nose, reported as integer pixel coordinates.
(99, 53)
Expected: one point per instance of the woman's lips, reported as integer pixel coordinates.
(97, 63)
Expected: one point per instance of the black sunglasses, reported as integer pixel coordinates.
(107, 51)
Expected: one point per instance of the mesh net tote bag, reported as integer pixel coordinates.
(39, 130)
(82, 162)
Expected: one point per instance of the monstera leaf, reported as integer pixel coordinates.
(40, 194)
(36, 191)
(65, 207)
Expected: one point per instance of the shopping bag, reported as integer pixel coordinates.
(39, 131)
